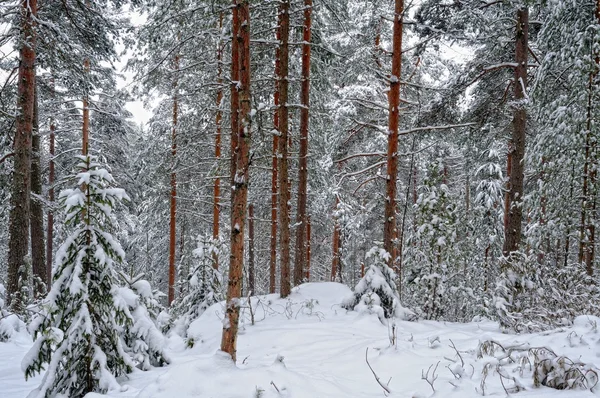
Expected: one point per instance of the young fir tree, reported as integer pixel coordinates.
(376, 292)
(144, 341)
(204, 286)
(432, 246)
(78, 332)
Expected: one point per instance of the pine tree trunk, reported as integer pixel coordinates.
(390, 230)
(282, 169)
(239, 184)
(218, 121)
(335, 261)
(18, 243)
(38, 255)
(251, 277)
(588, 207)
(235, 95)
(173, 196)
(301, 217)
(274, 174)
(512, 234)
(50, 226)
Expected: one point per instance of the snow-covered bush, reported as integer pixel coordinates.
(77, 332)
(204, 286)
(530, 297)
(9, 323)
(376, 292)
(144, 340)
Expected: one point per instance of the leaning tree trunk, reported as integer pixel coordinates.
(239, 184)
(335, 260)
(390, 227)
(18, 228)
(284, 193)
(301, 217)
(173, 196)
(38, 255)
(512, 234)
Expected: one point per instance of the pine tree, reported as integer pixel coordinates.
(77, 334)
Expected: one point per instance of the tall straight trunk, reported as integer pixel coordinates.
(173, 197)
(274, 174)
(240, 185)
(38, 247)
(512, 234)
(85, 130)
(18, 228)
(218, 121)
(251, 277)
(282, 167)
(390, 228)
(588, 207)
(308, 232)
(50, 226)
(235, 95)
(301, 217)
(335, 261)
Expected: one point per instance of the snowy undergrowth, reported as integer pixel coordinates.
(308, 346)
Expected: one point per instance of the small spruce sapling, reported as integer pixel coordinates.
(144, 340)
(204, 286)
(376, 291)
(77, 333)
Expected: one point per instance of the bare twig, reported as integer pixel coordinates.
(430, 379)
(385, 387)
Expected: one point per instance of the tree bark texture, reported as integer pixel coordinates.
(38, 247)
(239, 184)
(512, 233)
(18, 243)
(301, 216)
(282, 169)
(390, 229)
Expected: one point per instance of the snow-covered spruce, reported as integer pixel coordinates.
(9, 323)
(77, 333)
(144, 340)
(376, 292)
(204, 287)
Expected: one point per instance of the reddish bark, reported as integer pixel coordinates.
(38, 247)
(282, 167)
(301, 216)
(240, 186)
(235, 95)
(390, 229)
(512, 234)
(18, 229)
(274, 175)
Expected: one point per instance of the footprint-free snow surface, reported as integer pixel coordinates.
(307, 346)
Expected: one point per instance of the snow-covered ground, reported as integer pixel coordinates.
(308, 346)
